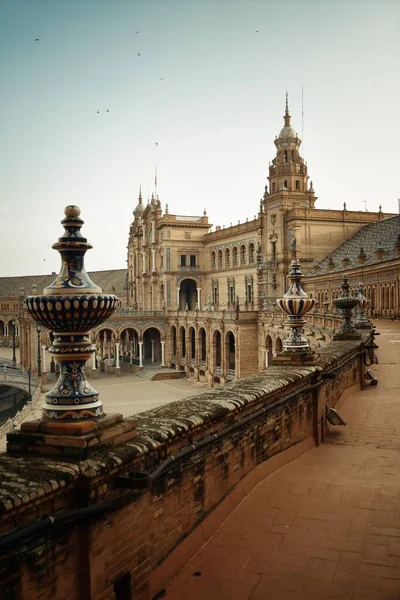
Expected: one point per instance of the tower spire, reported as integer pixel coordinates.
(140, 194)
(287, 116)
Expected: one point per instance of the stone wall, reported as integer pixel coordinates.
(129, 542)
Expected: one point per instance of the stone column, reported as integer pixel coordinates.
(152, 351)
(117, 367)
(131, 352)
(153, 259)
(140, 354)
(198, 290)
(163, 354)
(44, 368)
(177, 298)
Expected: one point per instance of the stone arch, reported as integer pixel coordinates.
(129, 336)
(192, 343)
(154, 326)
(187, 294)
(227, 257)
(252, 253)
(2, 324)
(213, 260)
(105, 337)
(203, 344)
(173, 341)
(162, 295)
(268, 350)
(278, 344)
(392, 298)
(220, 259)
(230, 346)
(182, 341)
(11, 325)
(243, 254)
(235, 256)
(152, 344)
(217, 349)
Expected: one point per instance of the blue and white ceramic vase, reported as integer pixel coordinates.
(70, 307)
(295, 303)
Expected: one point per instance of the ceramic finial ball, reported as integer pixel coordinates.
(72, 211)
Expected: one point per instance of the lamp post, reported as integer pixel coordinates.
(39, 358)
(29, 372)
(13, 342)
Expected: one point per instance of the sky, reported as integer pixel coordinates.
(196, 87)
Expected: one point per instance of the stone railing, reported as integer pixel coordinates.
(187, 457)
(31, 409)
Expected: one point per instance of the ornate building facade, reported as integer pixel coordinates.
(203, 301)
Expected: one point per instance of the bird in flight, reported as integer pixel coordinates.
(108, 110)
(137, 31)
(36, 39)
(161, 78)
(257, 31)
(138, 53)
(156, 143)
(98, 112)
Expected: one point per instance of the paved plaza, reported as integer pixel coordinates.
(325, 526)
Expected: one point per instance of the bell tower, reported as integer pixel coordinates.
(288, 178)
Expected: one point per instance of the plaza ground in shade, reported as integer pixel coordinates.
(326, 525)
(129, 393)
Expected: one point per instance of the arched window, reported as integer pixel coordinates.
(173, 336)
(274, 187)
(252, 256)
(217, 349)
(213, 263)
(192, 337)
(235, 256)
(203, 345)
(227, 258)
(285, 155)
(230, 348)
(183, 342)
(268, 350)
(243, 255)
(219, 259)
(278, 345)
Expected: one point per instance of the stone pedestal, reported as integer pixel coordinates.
(295, 359)
(65, 440)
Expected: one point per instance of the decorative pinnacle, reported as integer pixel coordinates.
(287, 116)
(140, 194)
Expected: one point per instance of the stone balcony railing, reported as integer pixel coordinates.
(187, 458)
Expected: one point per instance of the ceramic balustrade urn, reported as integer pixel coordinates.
(70, 307)
(345, 302)
(361, 321)
(295, 303)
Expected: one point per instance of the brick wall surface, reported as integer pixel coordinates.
(84, 558)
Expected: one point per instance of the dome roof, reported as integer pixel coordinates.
(287, 132)
(139, 208)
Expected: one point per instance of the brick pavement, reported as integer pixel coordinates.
(325, 526)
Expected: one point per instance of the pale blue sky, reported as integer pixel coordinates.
(208, 89)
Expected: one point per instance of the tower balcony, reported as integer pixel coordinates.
(189, 268)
